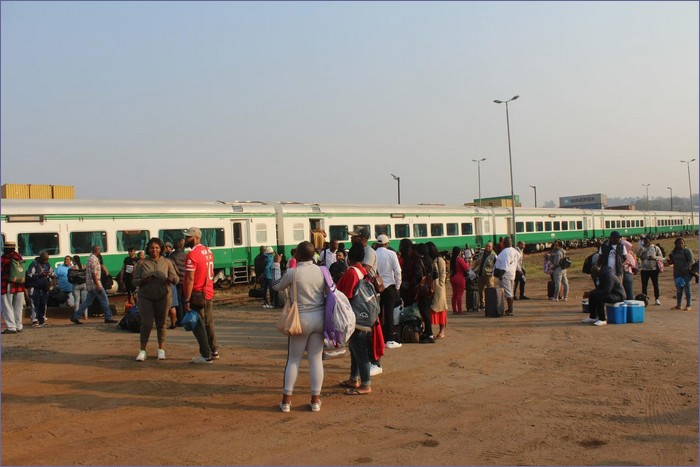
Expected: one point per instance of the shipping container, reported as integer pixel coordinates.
(40, 192)
(15, 191)
(63, 192)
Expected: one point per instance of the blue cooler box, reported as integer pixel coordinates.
(635, 311)
(617, 313)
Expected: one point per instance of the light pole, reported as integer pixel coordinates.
(671, 189)
(478, 169)
(534, 188)
(510, 159)
(646, 185)
(398, 180)
(690, 190)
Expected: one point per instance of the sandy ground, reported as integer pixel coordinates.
(538, 388)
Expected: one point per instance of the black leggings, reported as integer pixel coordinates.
(654, 275)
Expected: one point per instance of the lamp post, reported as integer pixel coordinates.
(690, 190)
(646, 185)
(534, 188)
(398, 181)
(671, 189)
(510, 159)
(478, 169)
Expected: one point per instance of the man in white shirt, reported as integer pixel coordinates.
(390, 271)
(328, 255)
(507, 261)
(520, 274)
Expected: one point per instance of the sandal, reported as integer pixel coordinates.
(358, 392)
(351, 384)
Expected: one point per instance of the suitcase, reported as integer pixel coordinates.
(550, 290)
(494, 302)
(472, 300)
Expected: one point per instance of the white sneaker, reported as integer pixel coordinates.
(375, 370)
(141, 356)
(552, 299)
(200, 359)
(315, 406)
(589, 320)
(161, 354)
(287, 407)
(600, 323)
(658, 302)
(334, 352)
(392, 345)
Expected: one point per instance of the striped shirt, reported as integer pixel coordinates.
(92, 267)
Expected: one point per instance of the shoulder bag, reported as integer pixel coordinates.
(288, 323)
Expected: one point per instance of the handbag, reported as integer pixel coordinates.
(189, 321)
(288, 323)
(197, 299)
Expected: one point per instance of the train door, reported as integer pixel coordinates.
(242, 253)
(479, 232)
(587, 224)
(318, 233)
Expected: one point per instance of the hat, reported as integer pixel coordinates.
(614, 234)
(362, 233)
(9, 245)
(269, 250)
(168, 244)
(193, 232)
(383, 239)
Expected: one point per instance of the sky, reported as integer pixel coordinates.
(323, 101)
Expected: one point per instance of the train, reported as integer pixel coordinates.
(235, 230)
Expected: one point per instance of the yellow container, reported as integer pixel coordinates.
(15, 191)
(40, 191)
(63, 191)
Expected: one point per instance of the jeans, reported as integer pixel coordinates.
(519, 281)
(40, 299)
(204, 331)
(559, 278)
(266, 284)
(101, 296)
(12, 304)
(387, 304)
(628, 284)
(654, 276)
(687, 289)
(359, 356)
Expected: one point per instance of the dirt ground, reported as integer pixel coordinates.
(538, 388)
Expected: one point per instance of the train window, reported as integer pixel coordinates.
(171, 235)
(420, 230)
(619, 224)
(437, 230)
(402, 230)
(237, 233)
(556, 225)
(2, 239)
(215, 236)
(380, 229)
(131, 238)
(539, 226)
(579, 225)
(82, 242)
(357, 227)
(467, 228)
(529, 226)
(548, 226)
(338, 232)
(452, 229)
(607, 224)
(519, 227)
(31, 244)
(641, 223)
(298, 232)
(564, 225)
(260, 234)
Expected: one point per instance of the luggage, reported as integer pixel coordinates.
(411, 325)
(550, 290)
(472, 300)
(256, 292)
(494, 302)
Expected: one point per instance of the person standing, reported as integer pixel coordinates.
(559, 274)
(95, 291)
(458, 271)
(682, 259)
(484, 271)
(40, 276)
(328, 256)
(178, 257)
(629, 269)
(338, 268)
(507, 262)
(612, 254)
(609, 289)
(649, 256)
(154, 277)
(266, 281)
(78, 282)
(423, 268)
(310, 286)
(390, 271)
(61, 280)
(438, 304)
(520, 274)
(12, 292)
(199, 278)
(126, 275)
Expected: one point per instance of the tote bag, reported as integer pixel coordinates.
(288, 322)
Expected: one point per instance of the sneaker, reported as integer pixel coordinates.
(141, 356)
(215, 355)
(375, 370)
(200, 359)
(110, 321)
(600, 323)
(334, 352)
(76, 321)
(552, 299)
(523, 297)
(265, 305)
(566, 299)
(36, 324)
(287, 407)
(392, 345)
(427, 340)
(9, 331)
(589, 320)
(315, 406)
(658, 302)
(161, 354)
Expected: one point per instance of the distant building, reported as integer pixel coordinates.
(497, 202)
(593, 201)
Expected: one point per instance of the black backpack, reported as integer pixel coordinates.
(131, 321)
(76, 276)
(587, 264)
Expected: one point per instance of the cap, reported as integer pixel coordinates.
(269, 250)
(363, 233)
(193, 232)
(614, 234)
(382, 239)
(11, 245)
(168, 244)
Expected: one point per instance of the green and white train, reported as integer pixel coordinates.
(235, 230)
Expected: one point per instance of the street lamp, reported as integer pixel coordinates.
(478, 168)
(646, 185)
(690, 190)
(510, 159)
(534, 188)
(398, 180)
(671, 189)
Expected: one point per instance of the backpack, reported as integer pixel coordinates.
(17, 273)
(364, 302)
(411, 325)
(548, 266)
(340, 318)
(426, 286)
(587, 264)
(76, 276)
(565, 263)
(131, 321)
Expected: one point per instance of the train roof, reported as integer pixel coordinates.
(329, 208)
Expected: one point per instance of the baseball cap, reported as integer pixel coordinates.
(383, 239)
(363, 233)
(269, 249)
(614, 234)
(193, 232)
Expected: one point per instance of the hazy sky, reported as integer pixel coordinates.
(320, 102)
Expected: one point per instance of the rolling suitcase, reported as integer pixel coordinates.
(472, 300)
(494, 302)
(550, 290)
